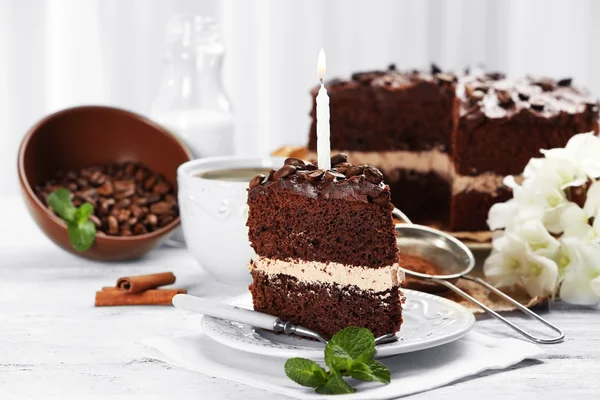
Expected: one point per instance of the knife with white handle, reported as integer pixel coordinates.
(233, 313)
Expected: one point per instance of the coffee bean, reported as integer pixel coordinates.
(565, 82)
(162, 207)
(161, 188)
(96, 221)
(523, 96)
(123, 215)
(311, 166)
(165, 220)
(284, 171)
(257, 180)
(315, 175)
(123, 203)
(354, 170)
(119, 197)
(271, 173)
(296, 162)
(136, 211)
(435, 69)
(373, 175)
(149, 183)
(333, 175)
(113, 225)
(151, 219)
(139, 229)
(338, 158)
(171, 199)
(106, 189)
(504, 97)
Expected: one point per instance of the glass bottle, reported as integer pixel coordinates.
(191, 101)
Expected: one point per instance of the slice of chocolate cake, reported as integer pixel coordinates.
(326, 247)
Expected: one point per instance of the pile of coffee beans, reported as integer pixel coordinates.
(128, 199)
(303, 170)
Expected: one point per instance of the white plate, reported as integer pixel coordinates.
(429, 321)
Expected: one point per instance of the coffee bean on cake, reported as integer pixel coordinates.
(128, 198)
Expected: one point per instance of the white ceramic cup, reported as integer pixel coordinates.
(213, 215)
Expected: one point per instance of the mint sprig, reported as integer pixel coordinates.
(349, 353)
(82, 231)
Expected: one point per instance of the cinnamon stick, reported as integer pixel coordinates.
(137, 284)
(109, 297)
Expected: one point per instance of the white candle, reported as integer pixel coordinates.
(323, 146)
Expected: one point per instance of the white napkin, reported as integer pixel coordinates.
(411, 372)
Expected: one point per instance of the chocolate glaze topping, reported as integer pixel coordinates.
(344, 181)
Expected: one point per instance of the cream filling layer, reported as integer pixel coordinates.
(424, 162)
(314, 272)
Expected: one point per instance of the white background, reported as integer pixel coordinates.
(55, 54)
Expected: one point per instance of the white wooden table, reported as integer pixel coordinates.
(55, 344)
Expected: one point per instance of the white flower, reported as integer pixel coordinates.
(575, 223)
(581, 283)
(581, 150)
(592, 202)
(542, 191)
(566, 172)
(527, 256)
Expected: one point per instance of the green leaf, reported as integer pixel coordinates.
(305, 372)
(82, 235)
(348, 346)
(60, 202)
(83, 213)
(380, 372)
(371, 371)
(335, 385)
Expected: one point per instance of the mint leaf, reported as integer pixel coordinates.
(380, 372)
(60, 202)
(349, 353)
(83, 213)
(82, 235)
(348, 346)
(305, 372)
(371, 371)
(335, 385)
(82, 231)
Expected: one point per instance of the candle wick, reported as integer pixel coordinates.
(321, 79)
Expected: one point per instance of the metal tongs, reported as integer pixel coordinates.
(455, 260)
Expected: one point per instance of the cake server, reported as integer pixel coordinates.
(454, 260)
(252, 318)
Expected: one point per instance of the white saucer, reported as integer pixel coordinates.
(429, 321)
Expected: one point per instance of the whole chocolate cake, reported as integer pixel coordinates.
(326, 247)
(444, 143)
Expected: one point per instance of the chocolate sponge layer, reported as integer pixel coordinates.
(327, 309)
(286, 225)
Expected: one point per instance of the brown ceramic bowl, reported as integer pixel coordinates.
(94, 135)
